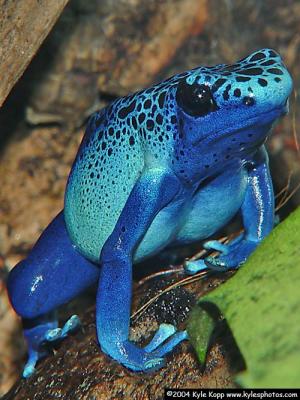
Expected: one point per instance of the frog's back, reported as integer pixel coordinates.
(108, 164)
(119, 141)
(194, 124)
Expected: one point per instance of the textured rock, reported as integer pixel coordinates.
(23, 27)
(111, 47)
(78, 370)
(11, 343)
(33, 174)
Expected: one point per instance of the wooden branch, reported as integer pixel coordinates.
(24, 24)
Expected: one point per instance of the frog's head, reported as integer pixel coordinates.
(231, 108)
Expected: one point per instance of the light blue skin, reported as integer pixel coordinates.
(167, 166)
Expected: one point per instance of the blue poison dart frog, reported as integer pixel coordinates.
(169, 165)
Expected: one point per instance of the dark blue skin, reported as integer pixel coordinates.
(166, 166)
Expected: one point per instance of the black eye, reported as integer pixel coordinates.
(195, 100)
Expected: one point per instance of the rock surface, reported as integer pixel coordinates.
(24, 25)
(78, 370)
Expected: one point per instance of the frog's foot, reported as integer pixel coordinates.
(162, 334)
(43, 333)
(150, 358)
(71, 325)
(232, 256)
(217, 246)
(193, 267)
(33, 357)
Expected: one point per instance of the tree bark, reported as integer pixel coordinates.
(24, 24)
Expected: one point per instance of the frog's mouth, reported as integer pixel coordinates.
(251, 148)
(266, 118)
(261, 122)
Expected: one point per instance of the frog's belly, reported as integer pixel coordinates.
(213, 206)
(162, 231)
(195, 218)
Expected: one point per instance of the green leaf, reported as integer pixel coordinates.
(200, 337)
(261, 304)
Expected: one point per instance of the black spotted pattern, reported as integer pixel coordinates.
(113, 151)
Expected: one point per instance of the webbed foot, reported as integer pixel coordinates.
(33, 357)
(71, 325)
(151, 357)
(232, 256)
(42, 333)
(163, 333)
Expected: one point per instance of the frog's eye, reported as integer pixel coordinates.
(196, 100)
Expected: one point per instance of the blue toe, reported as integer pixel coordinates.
(163, 333)
(33, 358)
(71, 325)
(215, 245)
(29, 368)
(170, 344)
(192, 267)
(53, 334)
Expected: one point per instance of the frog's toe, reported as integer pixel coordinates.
(29, 369)
(218, 263)
(163, 333)
(170, 344)
(150, 363)
(238, 253)
(53, 334)
(155, 359)
(150, 358)
(71, 325)
(33, 357)
(192, 267)
(215, 245)
(154, 364)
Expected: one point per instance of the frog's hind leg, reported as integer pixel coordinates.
(52, 274)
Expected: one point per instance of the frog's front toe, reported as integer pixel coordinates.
(238, 252)
(150, 363)
(193, 267)
(163, 333)
(219, 263)
(154, 364)
(151, 357)
(232, 256)
(53, 335)
(71, 325)
(217, 246)
(167, 346)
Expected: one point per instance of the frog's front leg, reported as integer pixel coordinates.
(258, 220)
(153, 191)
